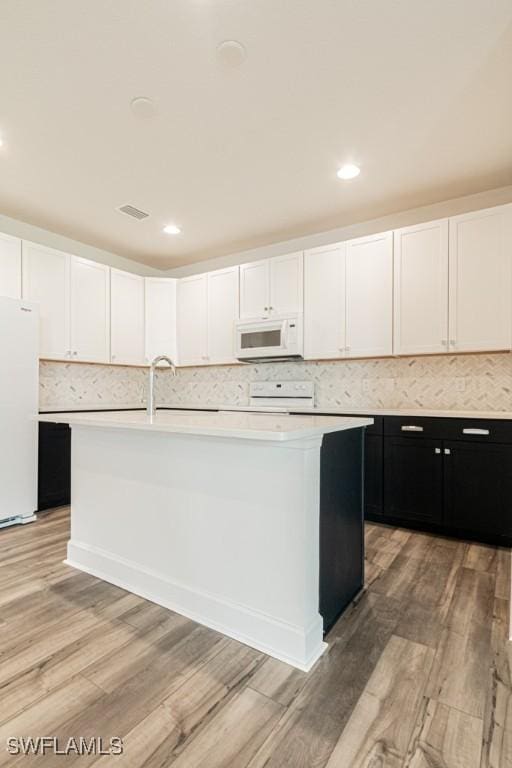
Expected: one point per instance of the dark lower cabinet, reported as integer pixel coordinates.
(54, 472)
(341, 522)
(373, 475)
(451, 476)
(413, 479)
(478, 488)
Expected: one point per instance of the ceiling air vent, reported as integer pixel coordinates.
(135, 213)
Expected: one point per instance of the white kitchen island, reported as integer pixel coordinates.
(214, 515)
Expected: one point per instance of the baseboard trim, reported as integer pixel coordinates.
(300, 648)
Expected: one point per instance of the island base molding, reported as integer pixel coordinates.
(224, 531)
(299, 648)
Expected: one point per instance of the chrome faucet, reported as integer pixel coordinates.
(151, 385)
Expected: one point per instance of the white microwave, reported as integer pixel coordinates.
(272, 340)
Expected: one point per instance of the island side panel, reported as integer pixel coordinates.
(341, 522)
(222, 530)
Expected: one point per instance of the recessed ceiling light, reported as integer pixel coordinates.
(348, 171)
(172, 229)
(1, 142)
(231, 53)
(143, 107)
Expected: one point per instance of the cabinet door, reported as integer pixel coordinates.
(222, 314)
(54, 466)
(160, 317)
(90, 311)
(10, 266)
(324, 302)
(373, 474)
(193, 320)
(421, 289)
(480, 280)
(127, 318)
(286, 285)
(369, 313)
(478, 487)
(413, 479)
(254, 290)
(46, 280)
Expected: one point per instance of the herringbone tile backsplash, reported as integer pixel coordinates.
(462, 382)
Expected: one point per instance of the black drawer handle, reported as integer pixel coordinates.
(411, 428)
(475, 431)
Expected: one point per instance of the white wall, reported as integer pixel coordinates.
(392, 221)
(53, 240)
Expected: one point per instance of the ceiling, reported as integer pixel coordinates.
(417, 93)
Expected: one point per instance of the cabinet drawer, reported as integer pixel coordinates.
(479, 430)
(412, 426)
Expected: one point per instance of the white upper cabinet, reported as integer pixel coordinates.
(90, 311)
(272, 287)
(421, 289)
(160, 318)
(46, 280)
(255, 290)
(324, 302)
(286, 285)
(127, 339)
(369, 297)
(193, 320)
(480, 311)
(10, 266)
(222, 314)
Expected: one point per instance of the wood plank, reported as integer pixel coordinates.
(481, 557)
(497, 739)
(158, 738)
(306, 735)
(43, 717)
(234, 735)
(461, 671)
(278, 681)
(445, 737)
(381, 725)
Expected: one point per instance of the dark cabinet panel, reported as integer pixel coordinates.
(478, 487)
(341, 522)
(54, 475)
(413, 479)
(373, 475)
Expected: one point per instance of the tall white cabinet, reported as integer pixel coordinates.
(223, 301)
(207, 311)
(10, 266)
(192, 320)
(46, 279)
(90, 311)
(160, 308)
(127, 338)
(271, 287)
(421, 289)
(480, 306)
(324, 302)
(369, 297)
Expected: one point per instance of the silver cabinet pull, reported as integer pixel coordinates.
(444, 342)
(411, 428)
(475, 431)
(438, 450)
(447, 451)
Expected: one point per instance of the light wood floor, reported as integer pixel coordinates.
(417, 674)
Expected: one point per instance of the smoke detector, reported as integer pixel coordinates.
(131, 210)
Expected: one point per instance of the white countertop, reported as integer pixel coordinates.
(418, 412)
(253, 426)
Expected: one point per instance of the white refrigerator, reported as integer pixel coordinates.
(19, 374)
